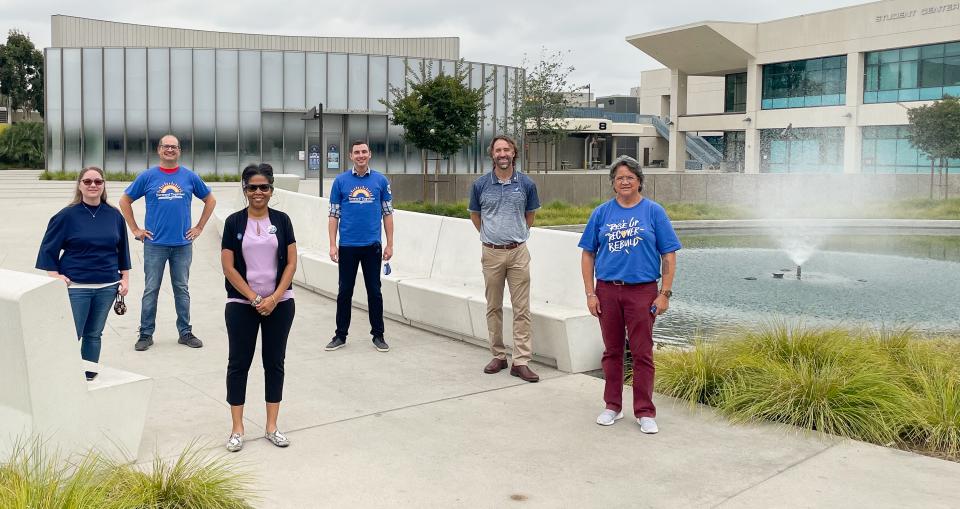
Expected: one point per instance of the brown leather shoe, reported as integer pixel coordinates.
(495, 366)
(524, 373)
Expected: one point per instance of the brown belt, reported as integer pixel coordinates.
(504, 246)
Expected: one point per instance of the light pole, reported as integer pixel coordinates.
(316, 112)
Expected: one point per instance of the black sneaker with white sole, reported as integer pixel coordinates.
(380, 344)
(190, 340)
(336, 343)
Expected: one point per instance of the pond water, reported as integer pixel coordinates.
(892, 281)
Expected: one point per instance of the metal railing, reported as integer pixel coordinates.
(701, 149)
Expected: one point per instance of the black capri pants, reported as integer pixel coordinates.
(243, 323)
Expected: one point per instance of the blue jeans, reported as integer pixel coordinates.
(90, 310)
(155, 259)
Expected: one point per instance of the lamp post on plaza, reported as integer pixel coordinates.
(316, 112)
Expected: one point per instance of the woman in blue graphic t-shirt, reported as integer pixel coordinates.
(86, 246)
(628, 244)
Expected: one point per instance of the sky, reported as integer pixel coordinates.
(590, 35)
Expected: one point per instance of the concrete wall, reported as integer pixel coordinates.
(729, 188)
(43, 392)
(704, 93)
(74, 32)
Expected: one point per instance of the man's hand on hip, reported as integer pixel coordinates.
(141, 234)
(193, 233)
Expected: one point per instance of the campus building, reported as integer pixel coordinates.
(826, 92)
(113, 89)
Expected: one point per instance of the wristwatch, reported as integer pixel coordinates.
(666, 293)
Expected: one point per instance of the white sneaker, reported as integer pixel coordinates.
(608, 417)
(277, 438)
(648, 425)
(235, 442)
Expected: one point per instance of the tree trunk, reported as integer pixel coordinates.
(931, 177)
(946, 180)
(436, 180)
(423, 166)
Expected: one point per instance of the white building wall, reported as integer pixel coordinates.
(849, 31)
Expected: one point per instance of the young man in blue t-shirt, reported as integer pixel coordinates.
(359, 201)
(168, 235)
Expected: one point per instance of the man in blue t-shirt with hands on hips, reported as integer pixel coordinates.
(168, 235)
(359, 201)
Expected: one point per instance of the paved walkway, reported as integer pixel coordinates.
(422, 426)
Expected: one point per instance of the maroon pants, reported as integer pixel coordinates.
(626, 309)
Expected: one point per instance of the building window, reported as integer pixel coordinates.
(805, 83)
(919, 73)
(735, 93)
(886, 149)
(805, 150)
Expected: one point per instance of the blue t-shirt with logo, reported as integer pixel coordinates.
(360, 203)
(627, 242)
(169, 197)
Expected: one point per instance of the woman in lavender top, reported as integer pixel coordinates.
(259, 258)
(86, 247)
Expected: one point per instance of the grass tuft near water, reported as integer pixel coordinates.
(34, 477)
(881, 387)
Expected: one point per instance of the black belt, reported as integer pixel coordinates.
(504, 246)
(624, 283)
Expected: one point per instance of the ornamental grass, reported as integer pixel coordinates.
(34, 477)
(888, 388)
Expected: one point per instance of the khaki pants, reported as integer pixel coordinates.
(512, 266)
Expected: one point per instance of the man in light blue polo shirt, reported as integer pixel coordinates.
(359, 201)
(503, 205)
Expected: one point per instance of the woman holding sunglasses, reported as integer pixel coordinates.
(259, 257)
(85, 246)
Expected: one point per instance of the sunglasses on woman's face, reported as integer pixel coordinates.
(263, 188)
(92, 182)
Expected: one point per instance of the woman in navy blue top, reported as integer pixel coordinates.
(85, 246)
(628, 244)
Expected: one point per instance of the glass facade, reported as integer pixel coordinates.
(108, 107)
(805, 83)
(919, 73)
(886, 149)
(735, 93)
(806, 150)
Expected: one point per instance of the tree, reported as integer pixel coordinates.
(21, 72)
(539, 100)
(21, 145)
(935, 129)
(440, 113)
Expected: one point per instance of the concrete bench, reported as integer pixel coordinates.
(43, 392)
(437, 282)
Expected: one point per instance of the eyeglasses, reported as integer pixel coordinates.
(94, 182)
(258, 187)
(170, 147)
(627, 178)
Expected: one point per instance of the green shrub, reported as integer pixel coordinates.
(22, 145)
(117, 176)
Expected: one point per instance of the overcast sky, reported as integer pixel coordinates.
(494, 31)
